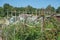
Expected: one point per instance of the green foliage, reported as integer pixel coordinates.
(18, 32)
(50, 8)
(58, 10)
(21, 32)
(29, 9)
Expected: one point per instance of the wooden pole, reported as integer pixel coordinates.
(42, 21)
(36, 12)
(15, 15)
(42, 24)
(11, 13)
(7, 13)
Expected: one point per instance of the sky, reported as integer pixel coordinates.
(33, 3)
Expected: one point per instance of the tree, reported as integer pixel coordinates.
(58, 10)
(7, 7)
(30, 9)
(50, 9)
(1, 12)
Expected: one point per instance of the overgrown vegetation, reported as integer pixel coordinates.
(21, 31)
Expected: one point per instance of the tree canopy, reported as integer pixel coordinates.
(29, 9)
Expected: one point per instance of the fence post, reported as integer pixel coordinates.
(42, 24)
(15, 15)
(7, 13)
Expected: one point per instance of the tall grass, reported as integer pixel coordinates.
(20, 31)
